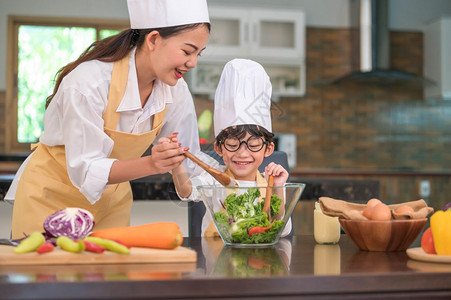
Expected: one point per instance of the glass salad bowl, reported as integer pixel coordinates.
(238, 212)
(250, 262)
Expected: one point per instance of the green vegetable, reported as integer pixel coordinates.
(70, 245)
(30, 243)
(108, 244)
(242, 215)
(204, 123)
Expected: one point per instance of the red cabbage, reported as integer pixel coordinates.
(75, 223)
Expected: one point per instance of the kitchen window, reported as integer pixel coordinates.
(37, 49)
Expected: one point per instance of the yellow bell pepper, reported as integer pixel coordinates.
(441, 231)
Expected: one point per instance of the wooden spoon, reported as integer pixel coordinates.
(221, 177)
(267, 203)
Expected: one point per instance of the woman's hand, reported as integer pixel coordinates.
(167, 154)
(180, 178)
(279, 173)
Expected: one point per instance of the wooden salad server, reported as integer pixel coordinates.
(267, 201)
(221, 177)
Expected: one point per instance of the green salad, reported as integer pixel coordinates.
(245, 222)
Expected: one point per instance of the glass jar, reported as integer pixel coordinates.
(326, 229)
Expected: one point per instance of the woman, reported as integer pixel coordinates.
(107, 108)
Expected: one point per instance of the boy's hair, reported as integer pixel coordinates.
(239, 131)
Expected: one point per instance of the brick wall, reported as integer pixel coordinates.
(367, 125)
(355, 125)
(363, 125)
(407, 51)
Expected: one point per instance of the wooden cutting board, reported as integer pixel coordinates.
(59, 256)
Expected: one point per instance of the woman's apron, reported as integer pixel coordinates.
(261, 181)
(45, 187)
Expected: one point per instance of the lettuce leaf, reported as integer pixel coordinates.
(242, 212)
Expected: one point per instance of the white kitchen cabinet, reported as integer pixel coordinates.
(257, 33)
(287, 79)
(274, 38)
(437, 58)
(229, 35)
(278, 33)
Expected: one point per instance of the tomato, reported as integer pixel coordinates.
(258, 229)
(427, 242)
(257, 263)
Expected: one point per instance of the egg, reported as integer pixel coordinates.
(373, 202)
(367, 212)
(381, 212)
(404, 209)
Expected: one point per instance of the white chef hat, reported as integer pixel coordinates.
(243, 96)
(166, 13)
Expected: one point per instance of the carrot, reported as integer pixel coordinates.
(162, 235)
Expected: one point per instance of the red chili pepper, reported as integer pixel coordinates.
(93, 247)
(258, 229)
(46, 247)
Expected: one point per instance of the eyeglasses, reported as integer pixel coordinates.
(254, 144)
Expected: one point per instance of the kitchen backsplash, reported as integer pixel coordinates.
(352, 125)
(380, 125)
(358, 126)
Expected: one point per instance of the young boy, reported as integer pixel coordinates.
(242, 125)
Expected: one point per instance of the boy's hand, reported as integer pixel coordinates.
(279, 173)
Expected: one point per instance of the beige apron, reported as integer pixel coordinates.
(261, 181)
(45, 187)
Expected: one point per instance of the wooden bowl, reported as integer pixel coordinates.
(392, 235)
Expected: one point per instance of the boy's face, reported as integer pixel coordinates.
(244, 163)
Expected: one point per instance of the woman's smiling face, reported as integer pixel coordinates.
(243, 163)
(172, 57)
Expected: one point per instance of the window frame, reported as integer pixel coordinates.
(12, 145)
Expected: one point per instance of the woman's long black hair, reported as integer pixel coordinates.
(116, 47)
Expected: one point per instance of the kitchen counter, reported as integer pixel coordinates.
(295, 268)
(161, 187)
(353, 172)
(156, 187)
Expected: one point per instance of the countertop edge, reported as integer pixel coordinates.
(354, 172)
(337, 287)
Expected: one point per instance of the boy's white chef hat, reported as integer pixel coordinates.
(166, 13)
(243, 96)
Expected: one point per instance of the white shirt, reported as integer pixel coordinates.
(206, 179)
(74, 119)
